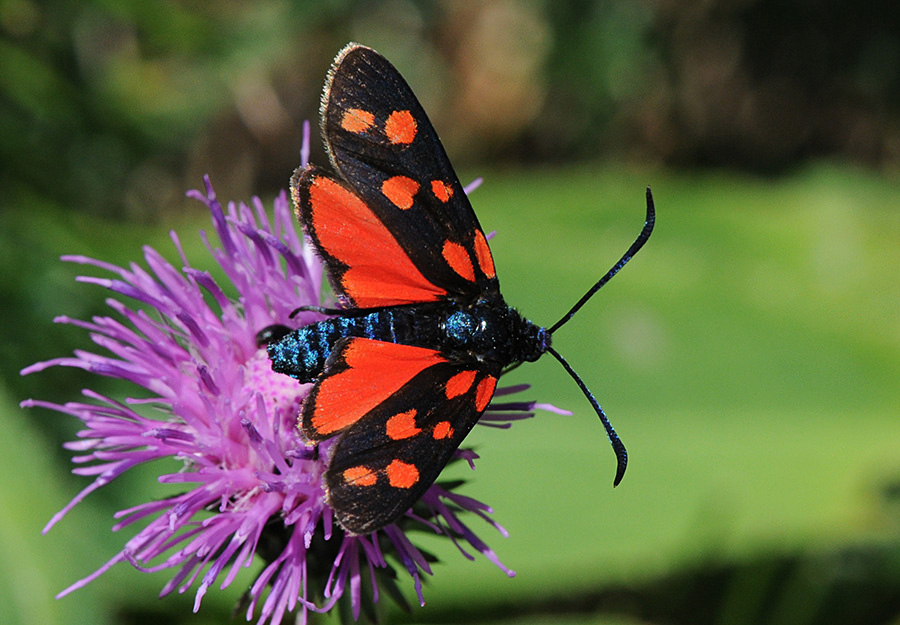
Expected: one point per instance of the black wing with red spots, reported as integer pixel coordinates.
(407, 367)
(399, 389)
(401, 412)
(388, 156)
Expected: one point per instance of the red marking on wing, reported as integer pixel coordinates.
(458, 259)
(400, 127)
(459, 383)
(379, 271)
(484, 392)
(357, 120)
(376, 370)
(402, 425)
(442, 429)
(483, 254)
(400, 191)
(402, 474)
(441, 190)
(360, 476)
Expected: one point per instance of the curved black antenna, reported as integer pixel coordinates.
(614, 440)
(638, 244)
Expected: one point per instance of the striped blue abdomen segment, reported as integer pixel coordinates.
(302, 353)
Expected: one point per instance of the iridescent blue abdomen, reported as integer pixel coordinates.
(483, 332)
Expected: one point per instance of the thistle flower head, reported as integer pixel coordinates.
(250, 490)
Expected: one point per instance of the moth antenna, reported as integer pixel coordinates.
(614, 440)
(649, 222)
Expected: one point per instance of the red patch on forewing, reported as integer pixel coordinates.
(357, 120)
(459, 384)
(400, 191)
(401, 474)
(402, 425)
(442, 429)
(483, 254)
(376, 370)
(379, 271)
(458, 259)
(484, 392)
(441, 190)
(360, 476)
(400, 127)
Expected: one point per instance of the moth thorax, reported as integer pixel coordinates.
(496, 333)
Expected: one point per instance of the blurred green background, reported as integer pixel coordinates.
(749, 357)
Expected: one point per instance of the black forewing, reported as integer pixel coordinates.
(361, 80)
(367, 443)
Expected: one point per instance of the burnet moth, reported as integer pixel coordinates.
(404, 367)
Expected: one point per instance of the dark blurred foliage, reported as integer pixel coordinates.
(117, 107)
(853, 585)
(763, 84)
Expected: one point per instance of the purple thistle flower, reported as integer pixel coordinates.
(251, 485)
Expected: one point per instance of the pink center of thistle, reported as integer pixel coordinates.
(282, 394)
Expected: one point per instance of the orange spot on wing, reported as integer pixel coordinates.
(402, 425)
(376, 370)
(441, 190)
(380, 273)
(442, 429)
(400, 127)
(400, 191)
(402, 474)
(483, 254)
(484, 392)
(458, 259)
(459, 384)
(360, 476)
(357, 120)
